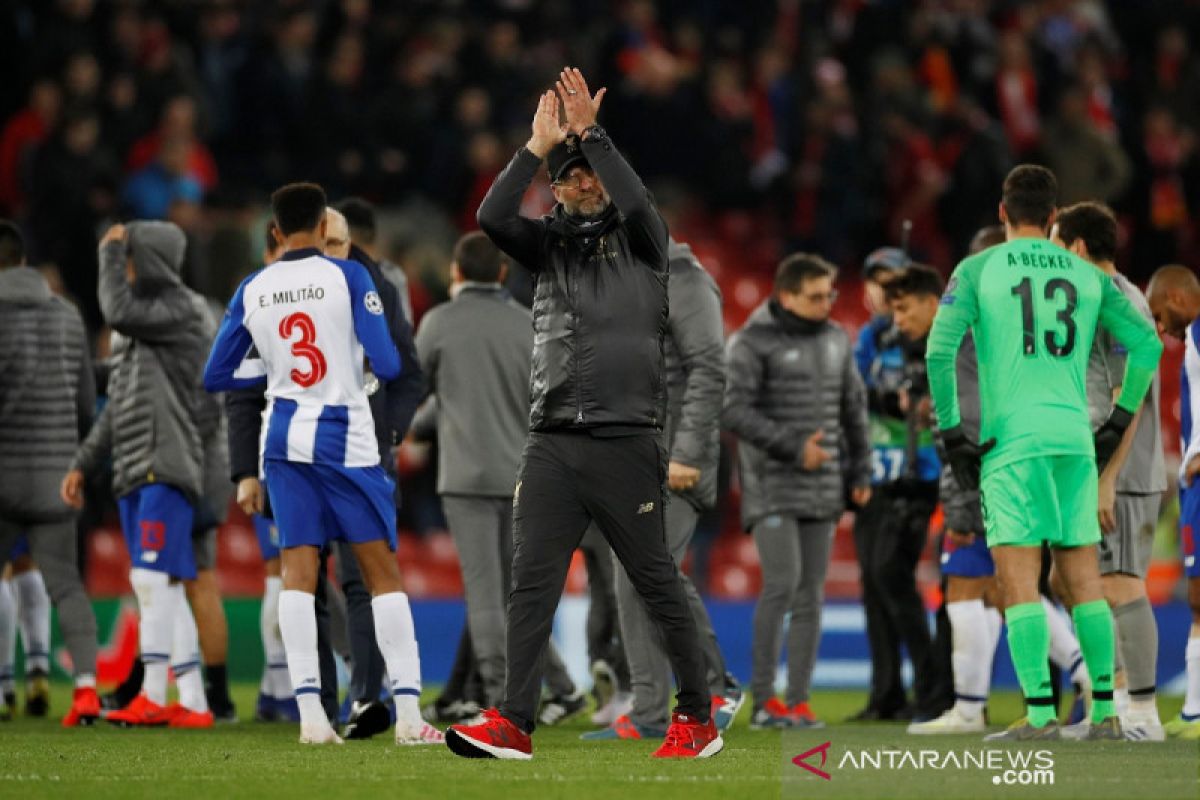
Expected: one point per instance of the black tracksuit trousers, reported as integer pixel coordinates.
(889, 535)
(566, 480)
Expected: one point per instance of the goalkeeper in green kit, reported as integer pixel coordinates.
(1033, 308)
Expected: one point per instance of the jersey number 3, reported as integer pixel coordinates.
(1057, 289)
(304, 348)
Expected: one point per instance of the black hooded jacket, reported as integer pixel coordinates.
(600, 303)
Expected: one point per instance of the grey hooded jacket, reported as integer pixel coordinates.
(162, 333)
(695, 369)
(47, 394)
(788, 378)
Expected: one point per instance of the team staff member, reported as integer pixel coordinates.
(476, 352)
(793, 397)
(47, 391)
(598, 406)
(695, 391)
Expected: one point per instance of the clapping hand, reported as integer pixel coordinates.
(548, 131)
(580, 106)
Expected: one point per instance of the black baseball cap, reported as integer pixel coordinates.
(563, 156)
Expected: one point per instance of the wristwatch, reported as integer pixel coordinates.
(593, 132)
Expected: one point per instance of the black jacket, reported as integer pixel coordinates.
(392, 406)
(600, 304)
(788, 378)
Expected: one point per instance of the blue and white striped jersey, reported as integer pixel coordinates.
(1189, 398)
(310, 318)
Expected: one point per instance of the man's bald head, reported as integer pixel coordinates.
(1174, 298)
(987, 237)
(337, 234)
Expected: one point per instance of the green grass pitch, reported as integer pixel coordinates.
(260, 761)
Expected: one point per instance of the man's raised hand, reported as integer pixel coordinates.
(547, 129)
(581, 108)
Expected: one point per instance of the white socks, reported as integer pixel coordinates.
(275, 680)
(1191, 702)
(185, 654)
(398, 643)
(8, 637)
(156, 606)
(995, 623)
(1064, 647)
(298, 627)
(33, 615)
(971, 656)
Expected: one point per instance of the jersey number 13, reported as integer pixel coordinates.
(1065, 297)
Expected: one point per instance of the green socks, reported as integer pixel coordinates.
(1029, 644)
(1094, 627)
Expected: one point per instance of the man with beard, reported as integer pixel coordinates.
(598, 393)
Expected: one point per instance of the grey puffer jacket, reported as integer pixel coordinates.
(695, 369)
(787, 378)
(47, 395)
(162, 333)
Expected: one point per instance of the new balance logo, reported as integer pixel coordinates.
(645, 508)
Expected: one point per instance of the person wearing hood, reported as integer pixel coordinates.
(796, 402)
(47, 392)
(598, 392)
(150, 428)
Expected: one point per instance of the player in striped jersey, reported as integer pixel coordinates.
(1174, 298)
(311, 319)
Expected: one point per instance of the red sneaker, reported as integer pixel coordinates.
(805, 716)
(142, 711)
(777, 707)
(85, 708)
(495, 737)
(184, 717)
(689, 738)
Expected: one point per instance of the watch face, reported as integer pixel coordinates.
(370, 383)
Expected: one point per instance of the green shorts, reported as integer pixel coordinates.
(1048, 499)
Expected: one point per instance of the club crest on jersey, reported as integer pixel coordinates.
(373, 303)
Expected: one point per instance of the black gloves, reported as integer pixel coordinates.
(1108, 437)
(965, 457)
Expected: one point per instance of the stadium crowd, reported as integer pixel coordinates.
(831, 121)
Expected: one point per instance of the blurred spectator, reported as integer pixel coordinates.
(72, 191)
(177, 123)
(22, 134)
(1165, 189)
(1089, 165)
(151, 191)
(1017, 93)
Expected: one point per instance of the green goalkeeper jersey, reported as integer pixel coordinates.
(1033, 308)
